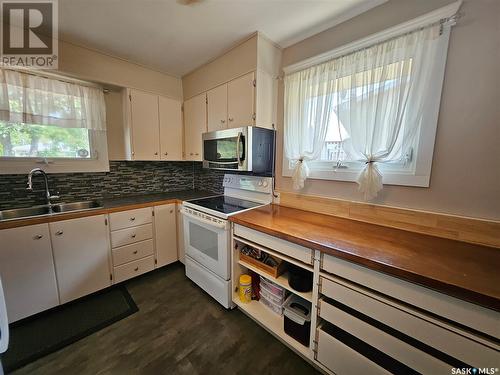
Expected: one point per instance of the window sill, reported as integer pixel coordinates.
(389, 178)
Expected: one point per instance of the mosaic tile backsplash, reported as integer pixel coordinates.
(124, 178)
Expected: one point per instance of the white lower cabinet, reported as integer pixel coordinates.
(81, 256)
(165, 234)
(133, 269)
(27, 271)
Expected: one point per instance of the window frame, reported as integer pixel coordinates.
(419, 170)
(98, 162)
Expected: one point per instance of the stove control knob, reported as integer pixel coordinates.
(265, 184)
(260, 183)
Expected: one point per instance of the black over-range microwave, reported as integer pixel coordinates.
(249, 149)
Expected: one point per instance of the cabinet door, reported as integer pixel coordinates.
(180, 234)
(165, 234)
(170, 128)
(217, 108)
(195, 124)
(27, 271)
(81, 256)
(241, 101)
(145, 126)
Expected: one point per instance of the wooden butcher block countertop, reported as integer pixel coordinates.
(463, 270)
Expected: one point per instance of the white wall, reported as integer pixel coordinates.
(465, 176)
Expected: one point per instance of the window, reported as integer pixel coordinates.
(368, 116)
(49, 121)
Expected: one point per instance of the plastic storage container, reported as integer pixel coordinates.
(275, 289)
(297, 320)
(276, 308)
(270, 296)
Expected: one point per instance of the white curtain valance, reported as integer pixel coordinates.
(33, 99)
(374, 97)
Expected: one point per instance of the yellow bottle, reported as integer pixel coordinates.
(245, 288)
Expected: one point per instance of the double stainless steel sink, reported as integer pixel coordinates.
(59, 208)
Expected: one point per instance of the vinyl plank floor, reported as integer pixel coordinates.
(178, 329)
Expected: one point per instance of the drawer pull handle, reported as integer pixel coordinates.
(136, 269)
(59, 233)
(133, 236)
(135, 252)
(132, 218)
(38, 237)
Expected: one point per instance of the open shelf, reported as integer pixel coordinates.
(280, 280)
(272, 322)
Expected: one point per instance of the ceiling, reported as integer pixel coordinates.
(177, 36)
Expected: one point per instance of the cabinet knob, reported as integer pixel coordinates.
(135, 252)
(132, 218)
(223, 121)
(59, 233)
(133, 153)
(133, 236)
(136, 269)
(191, 153)
(197, 154)
(156, 153)
(166, 153)
(38, 237)
(231, 119)
(171, 211)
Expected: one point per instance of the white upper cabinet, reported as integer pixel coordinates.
(195, 124)
(81, 256)
(170, 114)
(241, 101)
(152, 128)
(27, 271)
(144, 125)
(165, 234)
(217, 108)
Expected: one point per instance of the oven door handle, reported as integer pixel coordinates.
(218, 223)
(238, 140)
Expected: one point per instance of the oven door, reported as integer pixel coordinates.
(226, 149)
(206, 240)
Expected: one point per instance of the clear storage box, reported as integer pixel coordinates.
(275, 289)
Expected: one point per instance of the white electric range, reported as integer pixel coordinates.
(207, 231)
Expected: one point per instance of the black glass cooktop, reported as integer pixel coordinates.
(225, 204)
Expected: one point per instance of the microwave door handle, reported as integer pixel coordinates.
(238, 148)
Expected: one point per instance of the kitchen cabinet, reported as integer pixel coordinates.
(144, 124)
(195, 124)
(152, 128)
(241, 101)
(180, 234)
(170, 119)
(81, 256)
(27, 271)
(217, 108)
(165, 234)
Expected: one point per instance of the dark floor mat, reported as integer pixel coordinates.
(52, 330)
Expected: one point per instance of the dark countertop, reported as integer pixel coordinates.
(463, 270)
(128, 202)
(182, 195)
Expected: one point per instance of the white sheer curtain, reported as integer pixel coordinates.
(309, 107)
(33, 99)
(378, 95)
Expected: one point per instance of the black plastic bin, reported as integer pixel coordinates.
(297, 319)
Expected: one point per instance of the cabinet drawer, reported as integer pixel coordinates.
(341, 359)
(454, 309)
(128, 253)
(131, 218)
(131, 235)
(398, 349)
(288, 248)
(133, 269)
(408, 322)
